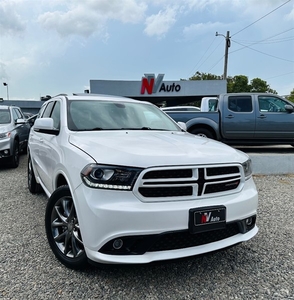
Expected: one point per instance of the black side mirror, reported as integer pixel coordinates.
(289, 108)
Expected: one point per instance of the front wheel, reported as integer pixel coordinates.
(33, 186)
(63, 230)
(14, 160)
(203, 132)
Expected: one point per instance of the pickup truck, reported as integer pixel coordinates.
(243, 119)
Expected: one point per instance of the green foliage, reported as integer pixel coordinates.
(238, 83)
(259, 85)
(205, 76)
(291, 96)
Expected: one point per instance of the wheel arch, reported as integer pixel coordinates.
(60, 181)
(14, 137)
(204, 126)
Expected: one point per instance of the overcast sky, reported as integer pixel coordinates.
(57, 46)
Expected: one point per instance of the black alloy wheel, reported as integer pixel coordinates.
(63, 230)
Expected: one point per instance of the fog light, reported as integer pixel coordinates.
(6, 152)
(249, 221)
(117, 244)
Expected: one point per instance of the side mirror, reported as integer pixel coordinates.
(182, 125)
(45, 125)
(20, 121)
(289, 108)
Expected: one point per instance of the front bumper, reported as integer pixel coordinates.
(5, 148)
(106, 216)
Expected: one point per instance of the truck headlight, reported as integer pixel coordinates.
(247, 169)
(110, 177)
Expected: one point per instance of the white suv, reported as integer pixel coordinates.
(126, 184)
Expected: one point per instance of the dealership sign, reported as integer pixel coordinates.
(152, 85)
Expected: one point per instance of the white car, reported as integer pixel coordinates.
(126, 184)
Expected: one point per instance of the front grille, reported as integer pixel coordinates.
(188, 183)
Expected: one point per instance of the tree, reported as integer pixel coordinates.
(238, 83)
(205, 76)
(259, 85)
(291, 96)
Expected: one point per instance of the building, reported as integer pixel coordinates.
(163, 93)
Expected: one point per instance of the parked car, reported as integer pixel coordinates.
(126, 184)
(14, 133)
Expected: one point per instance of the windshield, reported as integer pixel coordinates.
(112, 115)
(5, 116)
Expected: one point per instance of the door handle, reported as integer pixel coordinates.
(229, 117)
(41, 140)
(262, 117)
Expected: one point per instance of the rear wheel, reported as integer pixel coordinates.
(33, 186)
(63, 230)
(203, 132)
(14, 160)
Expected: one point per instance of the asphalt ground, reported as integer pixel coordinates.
(262, 268)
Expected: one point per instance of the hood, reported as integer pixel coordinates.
(5, 128)
(153, 148)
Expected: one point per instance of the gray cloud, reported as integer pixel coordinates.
(10, 21)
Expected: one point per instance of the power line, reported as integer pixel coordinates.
(196, 66)
(262, 52)
(261, 18)
(257, 42)
(280, 75)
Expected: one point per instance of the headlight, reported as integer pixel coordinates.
(5, 135)
(110, 177)
(247, 169)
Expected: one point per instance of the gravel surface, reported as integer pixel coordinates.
(262, 268)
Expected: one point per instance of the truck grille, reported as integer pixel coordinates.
(187, 183)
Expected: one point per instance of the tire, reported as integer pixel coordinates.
(203, 132)
(33, 186)
(14, 160)
(63, 231)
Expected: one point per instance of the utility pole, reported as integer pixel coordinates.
(227, 45)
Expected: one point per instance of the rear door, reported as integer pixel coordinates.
(237, 117)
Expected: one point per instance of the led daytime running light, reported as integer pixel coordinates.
(107, 186)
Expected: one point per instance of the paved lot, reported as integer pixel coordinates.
(262, 268)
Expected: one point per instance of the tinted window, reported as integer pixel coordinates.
(240, 103)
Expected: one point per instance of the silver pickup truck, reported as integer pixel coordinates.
(244, 119)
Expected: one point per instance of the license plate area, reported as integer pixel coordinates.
(207, 219)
